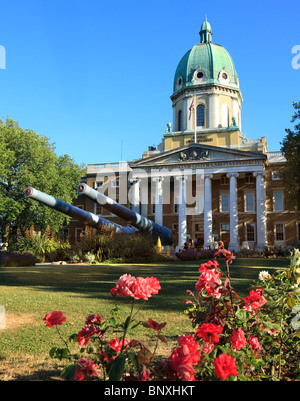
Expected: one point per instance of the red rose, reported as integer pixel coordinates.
(186, 372)
(254, 301)
(238, 339)
(86, 367)
(254, 343)
(225, 366)
(54, 318)
(116, 344)
(93, 319)
(138, 288)
(184, 357)
(85, 334)
(209, 332)
(153, 284)
(124, 284)
(209, 276)
(114, 291)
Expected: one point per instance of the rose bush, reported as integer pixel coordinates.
(235, 338)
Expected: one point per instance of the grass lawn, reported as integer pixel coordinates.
(29, 293)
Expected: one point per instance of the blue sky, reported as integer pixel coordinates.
(96, 76)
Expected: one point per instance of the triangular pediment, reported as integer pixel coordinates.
(195, 153)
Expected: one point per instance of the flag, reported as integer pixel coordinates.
(191, 108)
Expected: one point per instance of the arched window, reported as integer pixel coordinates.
(180, 120)
(200, 115)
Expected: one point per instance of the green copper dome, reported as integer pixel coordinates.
(206, 63)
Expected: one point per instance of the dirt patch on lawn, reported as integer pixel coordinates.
(29, 368)
(15, 320)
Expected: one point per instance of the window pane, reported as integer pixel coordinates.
(278, 202)
(250, 232)
(200, 116)
(279, 232)
(250, 202)
(225, 227)
(180, 120)
(224, 203)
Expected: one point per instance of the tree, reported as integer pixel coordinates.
(30, 160)
(291, 151)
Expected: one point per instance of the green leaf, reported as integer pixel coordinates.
(127, 322)
(52, 352)
(117, 368)
(291, 302)
(112, 322)
(270, 291)
(132, 357)
(68, 373)
(73, 338)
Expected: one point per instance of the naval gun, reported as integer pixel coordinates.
(136, 222)
(144, 225)
(85, 217)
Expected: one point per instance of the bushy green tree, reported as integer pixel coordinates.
(291, 150)
(28, 159)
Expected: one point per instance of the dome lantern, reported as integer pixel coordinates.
(206, 32)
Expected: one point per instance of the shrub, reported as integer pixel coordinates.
(195, 254)
(14, 259)
(45, 247)
(118, 248)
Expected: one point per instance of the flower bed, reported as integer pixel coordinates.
(253, 338)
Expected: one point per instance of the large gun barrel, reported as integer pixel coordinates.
(83, 216)
(143, 224)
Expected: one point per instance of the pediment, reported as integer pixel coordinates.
(195, 153)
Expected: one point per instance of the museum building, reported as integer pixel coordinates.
(236, 191)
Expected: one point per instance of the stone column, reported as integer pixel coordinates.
(158, 201)
(234, 240)
(207, 211)
(213, 111)
(182, 223)
(144, 196)
(261, 215)
(135, 195)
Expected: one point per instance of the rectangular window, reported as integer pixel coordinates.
(276, 175)
(98, 209)
(279, 232)
(199, 228)
(249, 179)
(249, 202)
(176, 204)
(152, 206)
(250, 232)
(225, 227)
(78, 232)
(98, 184)
(115, 183)
(224, 203)
(278, 201)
